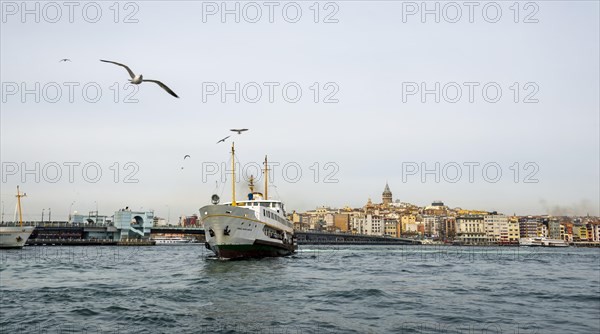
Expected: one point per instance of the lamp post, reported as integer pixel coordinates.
(43, 215)
(96, 220)
(70, 208)
(50, 215)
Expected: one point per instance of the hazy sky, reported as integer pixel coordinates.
(367, 59)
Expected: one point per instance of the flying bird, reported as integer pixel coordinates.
(138, 79)
(186, 156)
(64, 60)
(223, 140)
(239, 131)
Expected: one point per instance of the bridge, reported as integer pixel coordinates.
(324, 238)
(84, 231)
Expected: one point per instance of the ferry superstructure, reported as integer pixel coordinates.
(173, 241)
(255, 227)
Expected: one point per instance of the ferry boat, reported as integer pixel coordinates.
(15, 236)
(172, 240)
(542, 242)
(252, 228)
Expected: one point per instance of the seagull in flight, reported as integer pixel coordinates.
(138, 79)
(223, 140)
(64, 60)
(186, 156)
(239, 131)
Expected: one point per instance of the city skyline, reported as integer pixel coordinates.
(558, 211)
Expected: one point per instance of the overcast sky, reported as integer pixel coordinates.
(368, 59)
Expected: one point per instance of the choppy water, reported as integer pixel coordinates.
(322, 289)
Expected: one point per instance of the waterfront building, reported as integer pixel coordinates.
(392, 227)
(375, 225)
(431, 225)
(420, 228)
(462, 212)
(368, 224)
(437, 208)
(448, 230)
(406, 220)
(470, 229)
(356, 224)
(542, 230)
(328, 219)
(593, 231)
(580, 233)
(568, 228)
(528, 227)
(496, 228)
(513, 230)
(341, 221)
(409, 229)
(554, 229)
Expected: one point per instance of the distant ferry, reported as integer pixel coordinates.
(542, 242)
(165, 240)
(15, 236)
(256, 227)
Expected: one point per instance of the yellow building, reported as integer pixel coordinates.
(463, 212)
(407, 220)
(580, 232)
(341, 221)
(542, 230)
(513, 230)
(392, 228)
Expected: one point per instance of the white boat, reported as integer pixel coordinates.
(15, 236)
(256, 227)
(542, 242)
(168, 240)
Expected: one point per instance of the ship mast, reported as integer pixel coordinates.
(266, 180)
(251, 184)
(19, 204)
(233, 203)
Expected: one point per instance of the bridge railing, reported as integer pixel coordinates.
(54, 224)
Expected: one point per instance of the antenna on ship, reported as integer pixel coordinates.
(19, 205)
(266, 179)
(233, 203)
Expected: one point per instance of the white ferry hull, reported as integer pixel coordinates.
(233, 232)
(542, 242)
(14, 236)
